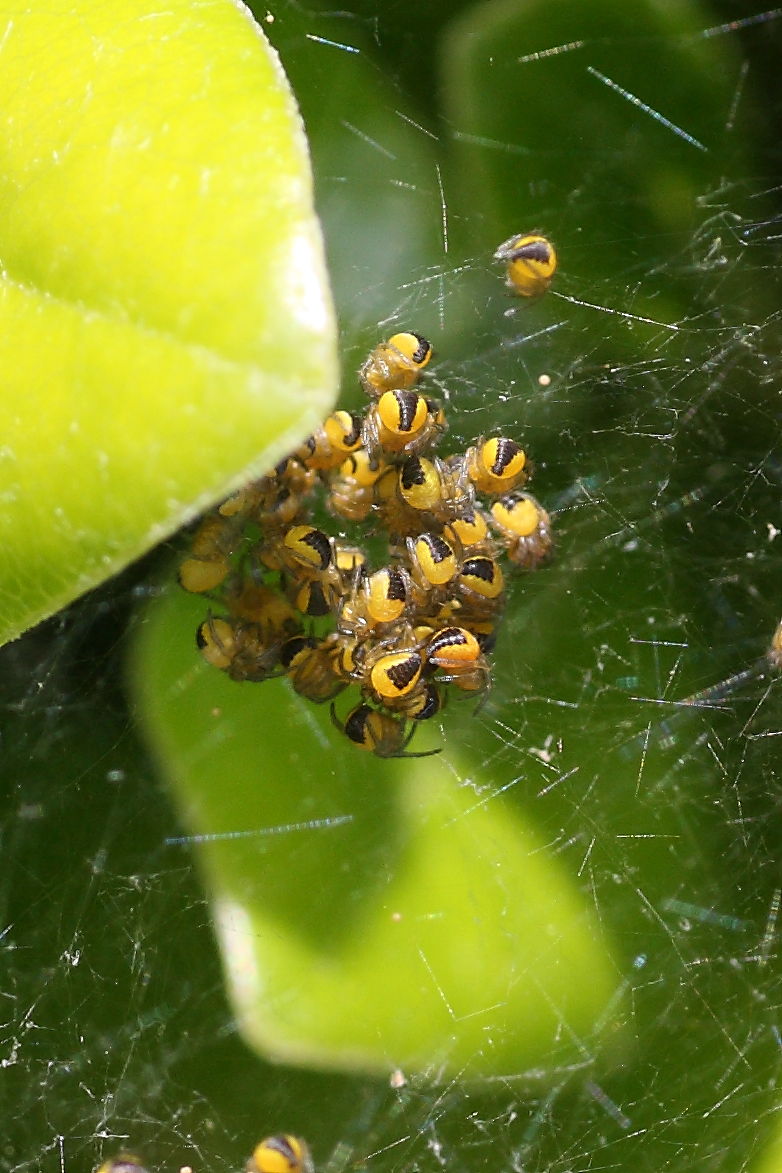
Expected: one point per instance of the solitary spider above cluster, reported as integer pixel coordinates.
(291, 599)
(531, 262)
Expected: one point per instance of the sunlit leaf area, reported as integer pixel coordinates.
(552, 945)
(152, 286)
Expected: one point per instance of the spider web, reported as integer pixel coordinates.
(635, 715)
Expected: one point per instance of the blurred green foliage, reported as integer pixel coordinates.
(167, 325)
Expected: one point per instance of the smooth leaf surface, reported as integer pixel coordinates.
(166, 321)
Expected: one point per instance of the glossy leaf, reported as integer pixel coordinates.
(165, 321)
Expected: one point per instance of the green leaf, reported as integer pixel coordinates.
(166, 328)
(371, 913)
(770, 1159)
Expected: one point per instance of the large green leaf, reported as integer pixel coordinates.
(165, 322)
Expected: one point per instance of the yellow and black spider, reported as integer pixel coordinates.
(531, 262)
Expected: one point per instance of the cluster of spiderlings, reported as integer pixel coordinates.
(294, 600)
